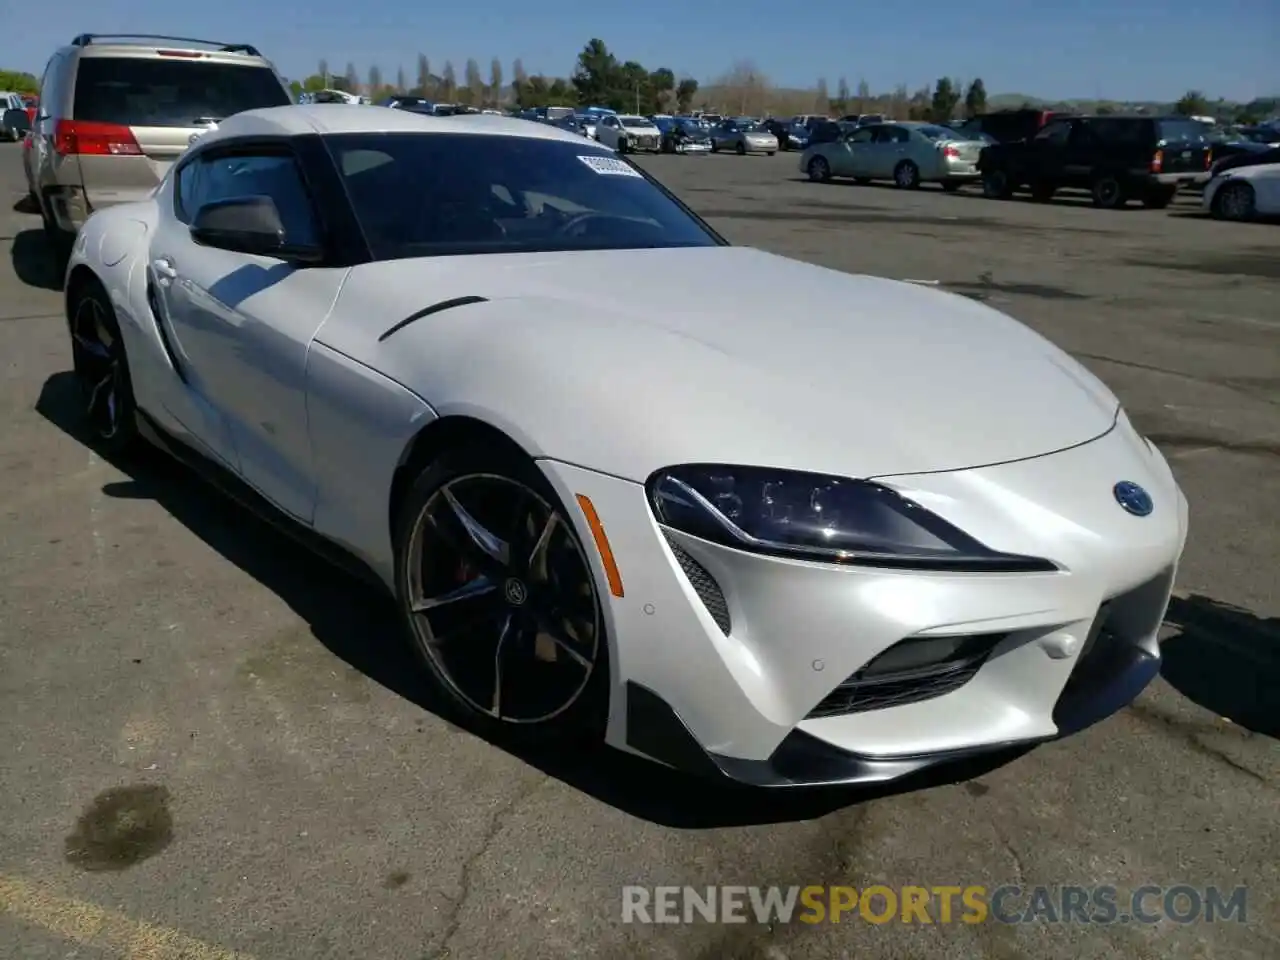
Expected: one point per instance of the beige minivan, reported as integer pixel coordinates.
(116, 111)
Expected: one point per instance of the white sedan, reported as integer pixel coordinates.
(902, 532)
(1243, 193)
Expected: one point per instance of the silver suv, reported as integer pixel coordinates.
(117, 110)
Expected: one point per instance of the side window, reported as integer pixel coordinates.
(881, 135)
(1055, 132)
(208, 180)
(861, 136)
(275, 176)
(900, 134)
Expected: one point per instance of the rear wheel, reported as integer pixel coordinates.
(1108, 192)
(951, 186)
(741, 149)
(60, 242)
(1234, 201)
(101, 369)
(500, 599)
(906, 175)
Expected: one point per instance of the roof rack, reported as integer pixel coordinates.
(85, 39)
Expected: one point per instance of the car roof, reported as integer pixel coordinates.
(337, 118)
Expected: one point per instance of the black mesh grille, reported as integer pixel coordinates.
(860, 692)
(705, 586)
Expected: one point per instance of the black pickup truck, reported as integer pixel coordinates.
(1115, 158)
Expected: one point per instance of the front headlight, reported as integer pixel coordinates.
(817, 517)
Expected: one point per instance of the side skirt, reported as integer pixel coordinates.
(231, 486)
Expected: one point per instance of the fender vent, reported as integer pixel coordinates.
(705, 586)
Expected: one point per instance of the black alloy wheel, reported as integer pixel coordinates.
(500, 598)
(102, 371)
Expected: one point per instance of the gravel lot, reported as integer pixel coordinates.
(214, 744)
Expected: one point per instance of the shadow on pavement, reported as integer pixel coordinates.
(33, 262)
(26, 204)
(1227, 660)
(358, 624)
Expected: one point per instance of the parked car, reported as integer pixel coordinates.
(627, 133)
(453, 389)
(909, 154)
(12, 128)
(686, 135)
(1244, 193)
(1244, 159)
(117, 111)
(743, 135)
(1116, 158)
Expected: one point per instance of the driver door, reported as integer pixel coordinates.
(242, 323)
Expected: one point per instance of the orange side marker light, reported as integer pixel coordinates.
(602, 545)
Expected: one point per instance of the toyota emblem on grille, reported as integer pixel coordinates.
(1132, 498)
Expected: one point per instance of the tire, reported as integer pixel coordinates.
(996, 185)
(1157, 198)
(623, 148)
(59, 241)
(108, 409)
(1234, 201)
(906, 176)
(1108, 192)
(740, 149)
(771, 152)
(518, 647)
(818, 169)
(950, 186)
(715, 147)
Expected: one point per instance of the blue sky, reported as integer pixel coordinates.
(1121, 49)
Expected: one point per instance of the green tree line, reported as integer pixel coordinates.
(15, 82)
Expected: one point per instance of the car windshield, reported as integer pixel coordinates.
(635, 122)
(444, 194)
(171, 93)
(940, 133)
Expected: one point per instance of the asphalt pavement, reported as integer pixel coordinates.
(214, 746)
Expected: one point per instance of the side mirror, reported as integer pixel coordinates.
(17, 121)
(250, 225)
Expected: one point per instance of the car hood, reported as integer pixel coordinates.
(627, 361)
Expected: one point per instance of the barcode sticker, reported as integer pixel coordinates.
(608, 166)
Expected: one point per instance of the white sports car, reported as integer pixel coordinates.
(858, 529)
(1243, 193)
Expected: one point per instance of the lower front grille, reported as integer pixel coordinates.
(878, 686)
(705, 586)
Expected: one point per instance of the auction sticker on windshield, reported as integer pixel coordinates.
(608, 166)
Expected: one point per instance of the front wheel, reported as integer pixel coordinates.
(819, 170)
(741, 149)
(101, 367)
(1108, 192)
(1234, 201)
(499, 597)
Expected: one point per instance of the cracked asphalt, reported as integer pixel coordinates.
(214, 746)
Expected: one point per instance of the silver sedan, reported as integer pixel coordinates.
(906, 153)
(743, 136)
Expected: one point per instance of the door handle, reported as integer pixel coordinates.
(164, 268)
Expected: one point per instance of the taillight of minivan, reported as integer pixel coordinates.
(1157, 161)
(89, 138)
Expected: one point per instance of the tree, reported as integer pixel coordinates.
(519, 82)
(842, 97)
(821, 98)
(864, 96)
(597, 76)
(975, 98)
(943, 103)
(351, 79)
(400, 80)
(475, 84)
(424, 76)
(1104, 109)
(686, 90)
(662, 85)
(375, 80)
(1192, 104)
(495, 82)
(448, 82)
(323, 73)
(745, 87)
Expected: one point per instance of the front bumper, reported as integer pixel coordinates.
(728, 665)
